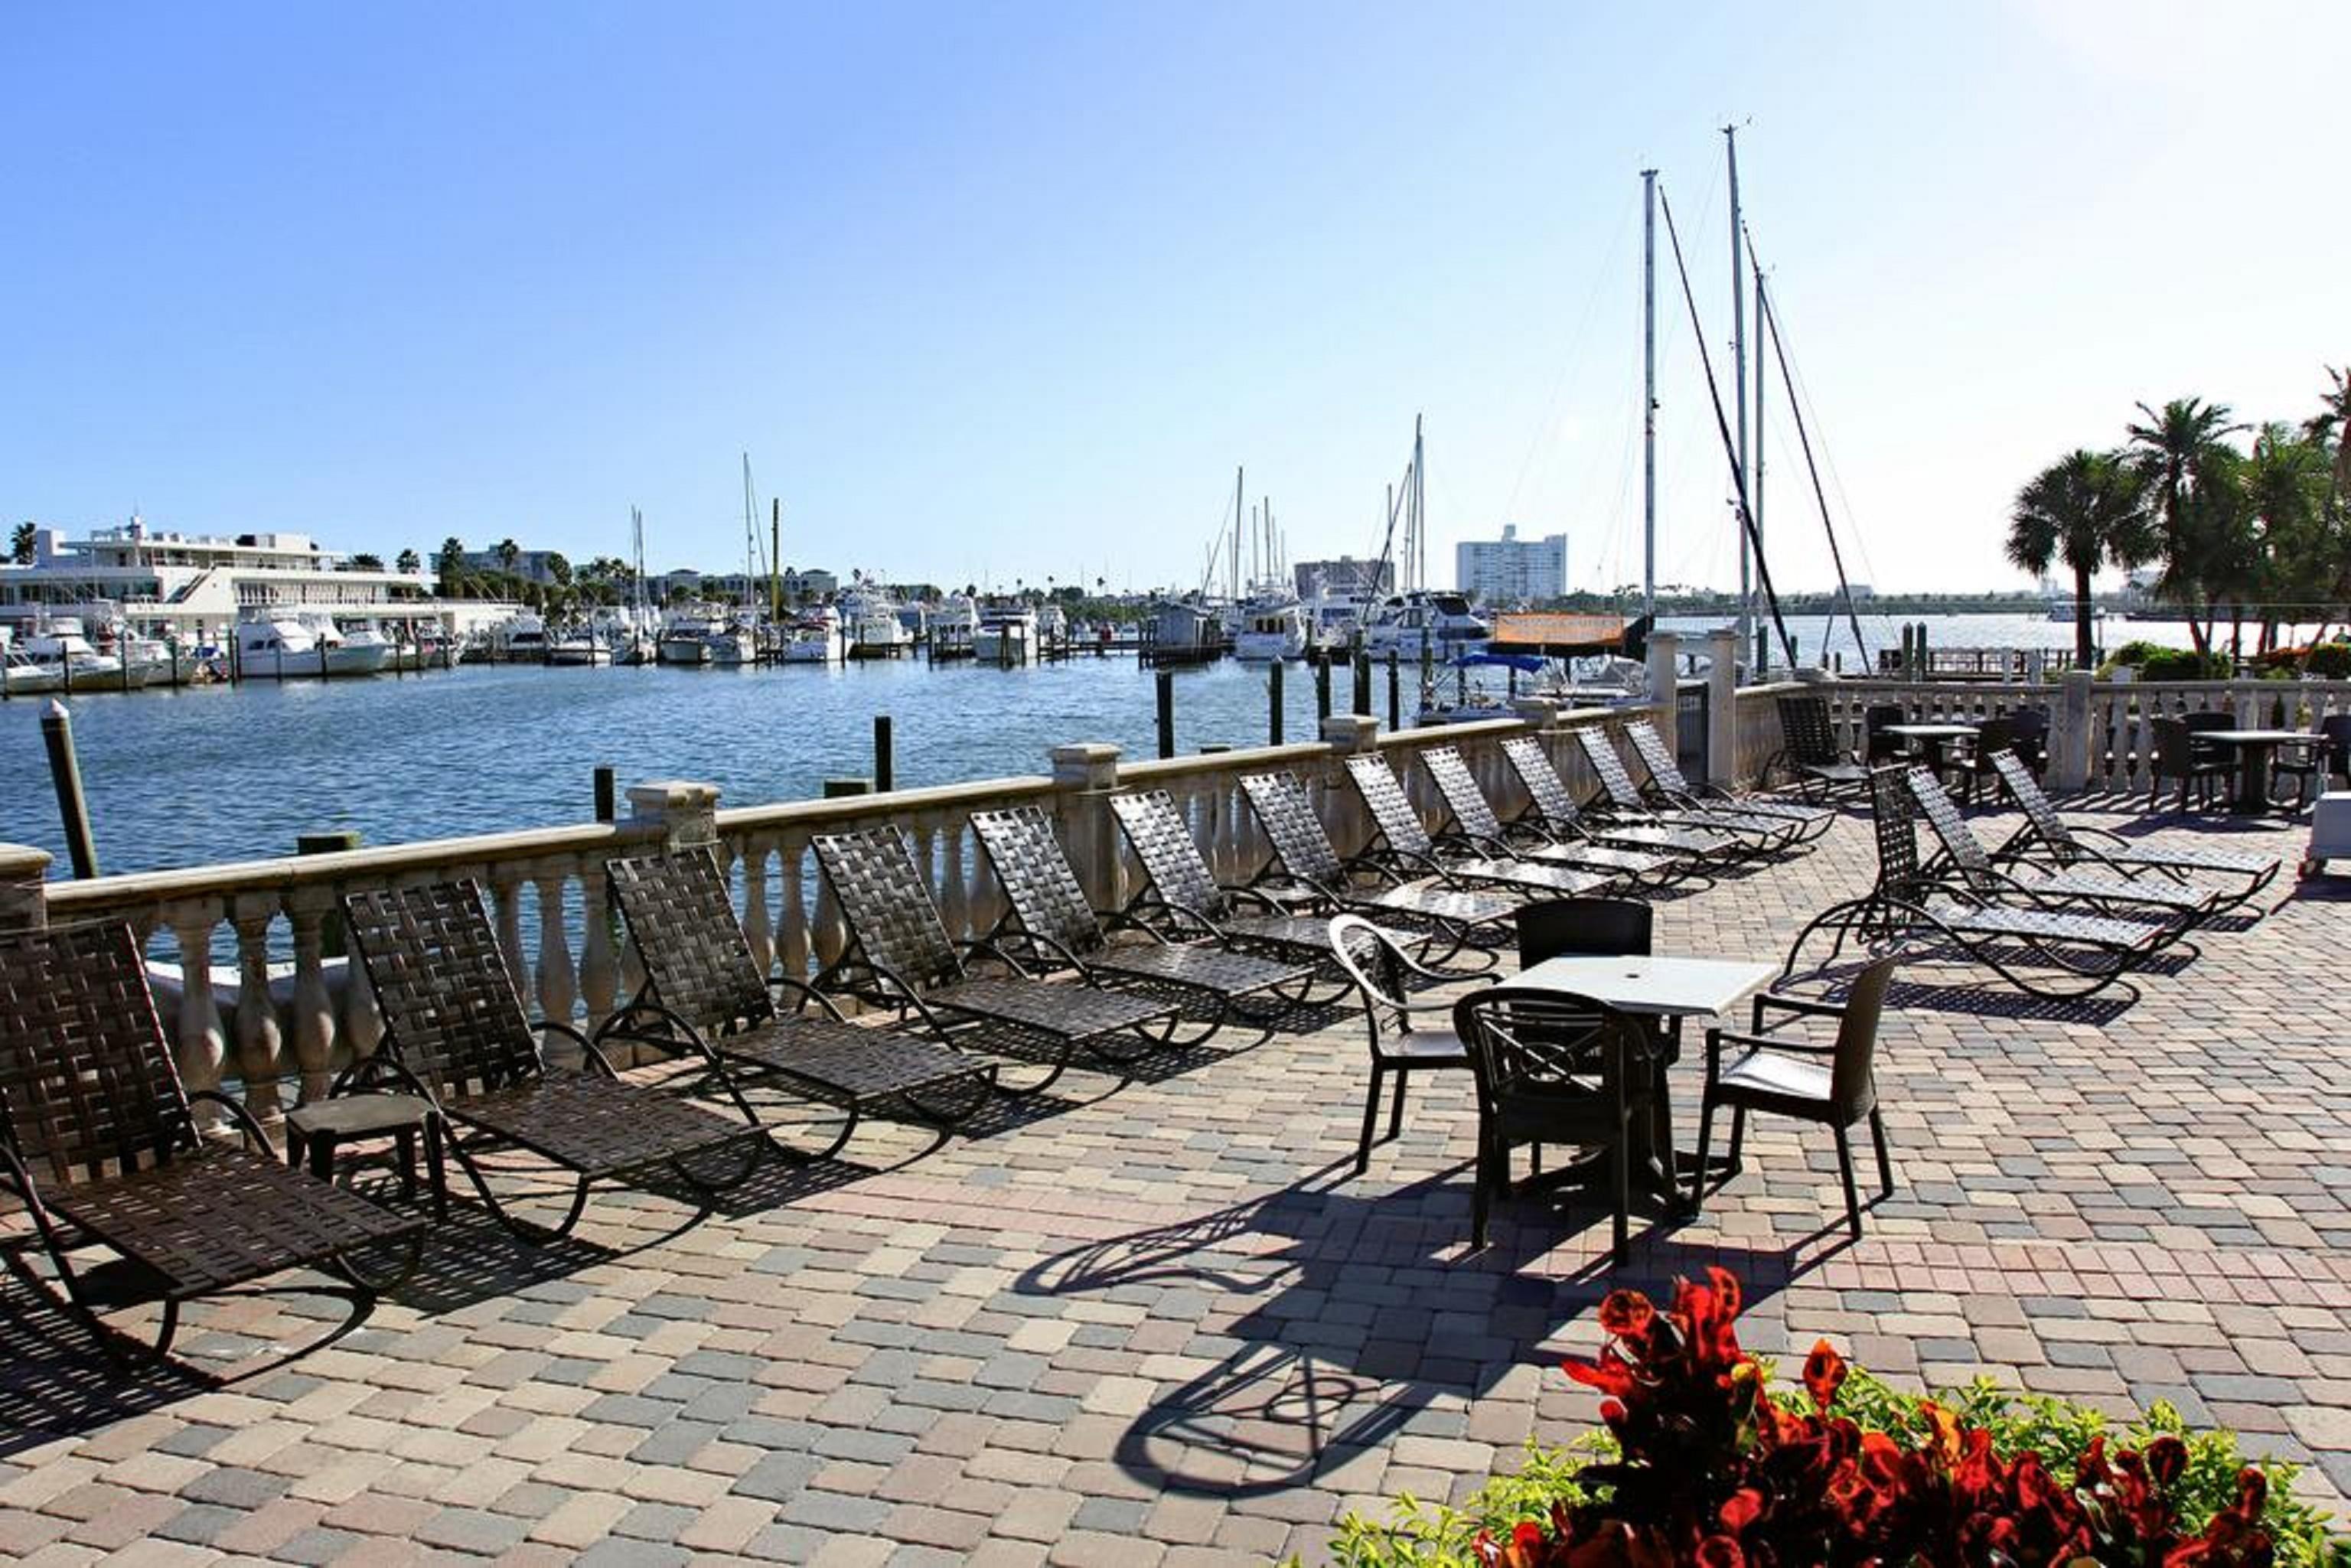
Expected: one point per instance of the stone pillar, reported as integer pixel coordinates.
(24, 892)
(1343, 817)
(1664, 677)
(1085, 775)
(688, 813)
(1538, 713)
(1349, 733)
(1722, 708)
(2069, 732)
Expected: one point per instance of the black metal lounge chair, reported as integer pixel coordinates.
(1554, 811)
(2046, 835)
(703, 984)
(1406, 845)
(456, 1033)
(1477, 829)
(1671, 788)
(1304, 857)
(900, 955)
(1754, 835)
(1965, 859)
(1811, 752)
(99, 1143)
(1053, 926)
(1183, 898)
(1906, 906)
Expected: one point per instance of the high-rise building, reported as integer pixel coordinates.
(1510, 570)
(1345, 575)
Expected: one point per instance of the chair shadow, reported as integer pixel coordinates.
(1343, 1345)
(1972, 997)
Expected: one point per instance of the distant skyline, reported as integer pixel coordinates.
(999, 293)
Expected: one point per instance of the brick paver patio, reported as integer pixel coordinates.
(1158, 1323)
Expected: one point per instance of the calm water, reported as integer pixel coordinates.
(217, 773)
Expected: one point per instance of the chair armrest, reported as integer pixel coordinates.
(1796, 1005)
(1716, 1039)
(808, 993)
(237, 1113)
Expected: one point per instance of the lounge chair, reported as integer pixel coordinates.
(1624, 802)
(1811, 752)
(1407, 846)
(1668, 787)
(900, 955)
(702, 983)
(456, 1033)
(1477, 828)
(99, 1143)
(1554, 811)
(1053, 926)
(1906, 906)
(2046, 835)
(1183, 898)
(1964, 859)
(1305, 858)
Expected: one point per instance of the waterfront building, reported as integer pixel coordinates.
(1345, 576)
(531, 565)
(1511, 571)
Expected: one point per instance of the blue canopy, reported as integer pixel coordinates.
(1526, 663)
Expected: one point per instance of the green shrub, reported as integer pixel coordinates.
(2330, 661)
(2185, 664)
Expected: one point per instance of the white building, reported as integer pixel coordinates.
(1511, 571)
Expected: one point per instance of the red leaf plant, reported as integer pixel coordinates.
(1715, 1471)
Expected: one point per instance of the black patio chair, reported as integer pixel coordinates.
(1552, 1068)
(703, 984)
(1404, 844)
(2177, 755)
(1181, 897)
(2312, 763)
(1812, 753)
(456, 1033)
(1771, 1074)
(1053, 926)
(1305, 860)
(899, 956)
(1877, 746)
(1594, 927)
(99, 1144)
(2029, 738)
(1554, 811)
(1478, 831)
(1378, 968)
(1624, 802)
(2045, 836)
(1669, 786)
(1970, 762)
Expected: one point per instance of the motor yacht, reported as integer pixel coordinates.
(1419, 622)
(277, 644)
(1006, 633)
(814, 637)
(1270, 628)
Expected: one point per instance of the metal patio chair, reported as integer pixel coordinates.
(702, 984)
(1377, 966)
(1477, 830)
(1669, 787)
(2177, 755)
(1405, 844)
(1183, 898)
(2046, 836)
(1553, 810)
(99, 1143)
(1811, 752)
(1053, 926)
(456, 1033)
(1755, 836)
(899, 956)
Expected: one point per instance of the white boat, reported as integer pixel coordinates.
(61, 647)
(1418, 622)
(520, 638)
(577, 647)
(733, 646)
(814, 637)
(279, 644)
(1270, 628)
(686, 636)
(870, 618)
(26, 677)
(1007, 634)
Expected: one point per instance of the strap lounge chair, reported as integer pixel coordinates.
(703, 984)
(99, 1143)
(1053, 926)
(1477, 829)
(1554, 811)
(1905, 907)
(1965, 859)
(1668, 787)
(1811, 751)
(1183, 898)
(2047, 835)
(900, 955)
(1405, 843)
(1304, 857)
(456, 1033)
(1755, 835)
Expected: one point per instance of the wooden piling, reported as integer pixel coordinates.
(1395, 695)
(1363, 685)
(885, 758)
(1273, 704)
(65, 772)
(1321, 688)
(607, 806)
(1166, 683)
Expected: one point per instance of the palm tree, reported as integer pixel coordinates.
(408, 560)
(2085, 509)
(508, 554)
(2174, 450)
(449, 566)
(2333, 423)
(23, 542)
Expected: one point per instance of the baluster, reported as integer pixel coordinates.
(505, 895)
(314, 1010)
(829, 936)
(556, 987)
(955, 901)
(259, 1046)
(758, 926)
(363, 1020)
(792, 930)
(203, 1047)
(600, 968)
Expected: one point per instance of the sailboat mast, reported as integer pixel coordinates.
(1738, 383)
(1419, 541)
(1240, 504)
(776, 560)
(1755, 471)
(1650, 392)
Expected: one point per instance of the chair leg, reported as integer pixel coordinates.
(1396, 1111)
(1482, 1195)
(1623, 1199)
(1705, 1138)
(1738, 1135)
(1371, 1120)
(1851, 1194)
(1884, 1165)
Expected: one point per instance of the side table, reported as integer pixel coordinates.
(315, 1132)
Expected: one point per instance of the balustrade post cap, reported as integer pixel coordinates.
(24, 890)
(1539, 713)
(1350, 731)
(1723, 637)
(23, 862)
(661, 796)
(1086, 765)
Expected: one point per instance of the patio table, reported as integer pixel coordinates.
(2253, 749)
(1664, 990)
(1931, 741)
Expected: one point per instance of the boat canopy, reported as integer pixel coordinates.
(1562, 636)
(1525, 663)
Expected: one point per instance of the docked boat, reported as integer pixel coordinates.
(520, 638)
(25, 677)
(814, 637)
(736, 645)
(282, 645)
(1270, 628)
(1006, 633)
(686, 635)
(577, 647)
(870, 618)
(62, 647)
(1419, 622)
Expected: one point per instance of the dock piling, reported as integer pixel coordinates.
(606, 792)
(65, 772)
(1166, 684)
(1363, 685)
(1321, 688)
(1395, 695)
(885, 757)
(1273, 704)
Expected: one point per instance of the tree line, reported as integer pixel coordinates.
(2243, 522)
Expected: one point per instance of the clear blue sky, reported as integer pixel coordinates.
(994, 290)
